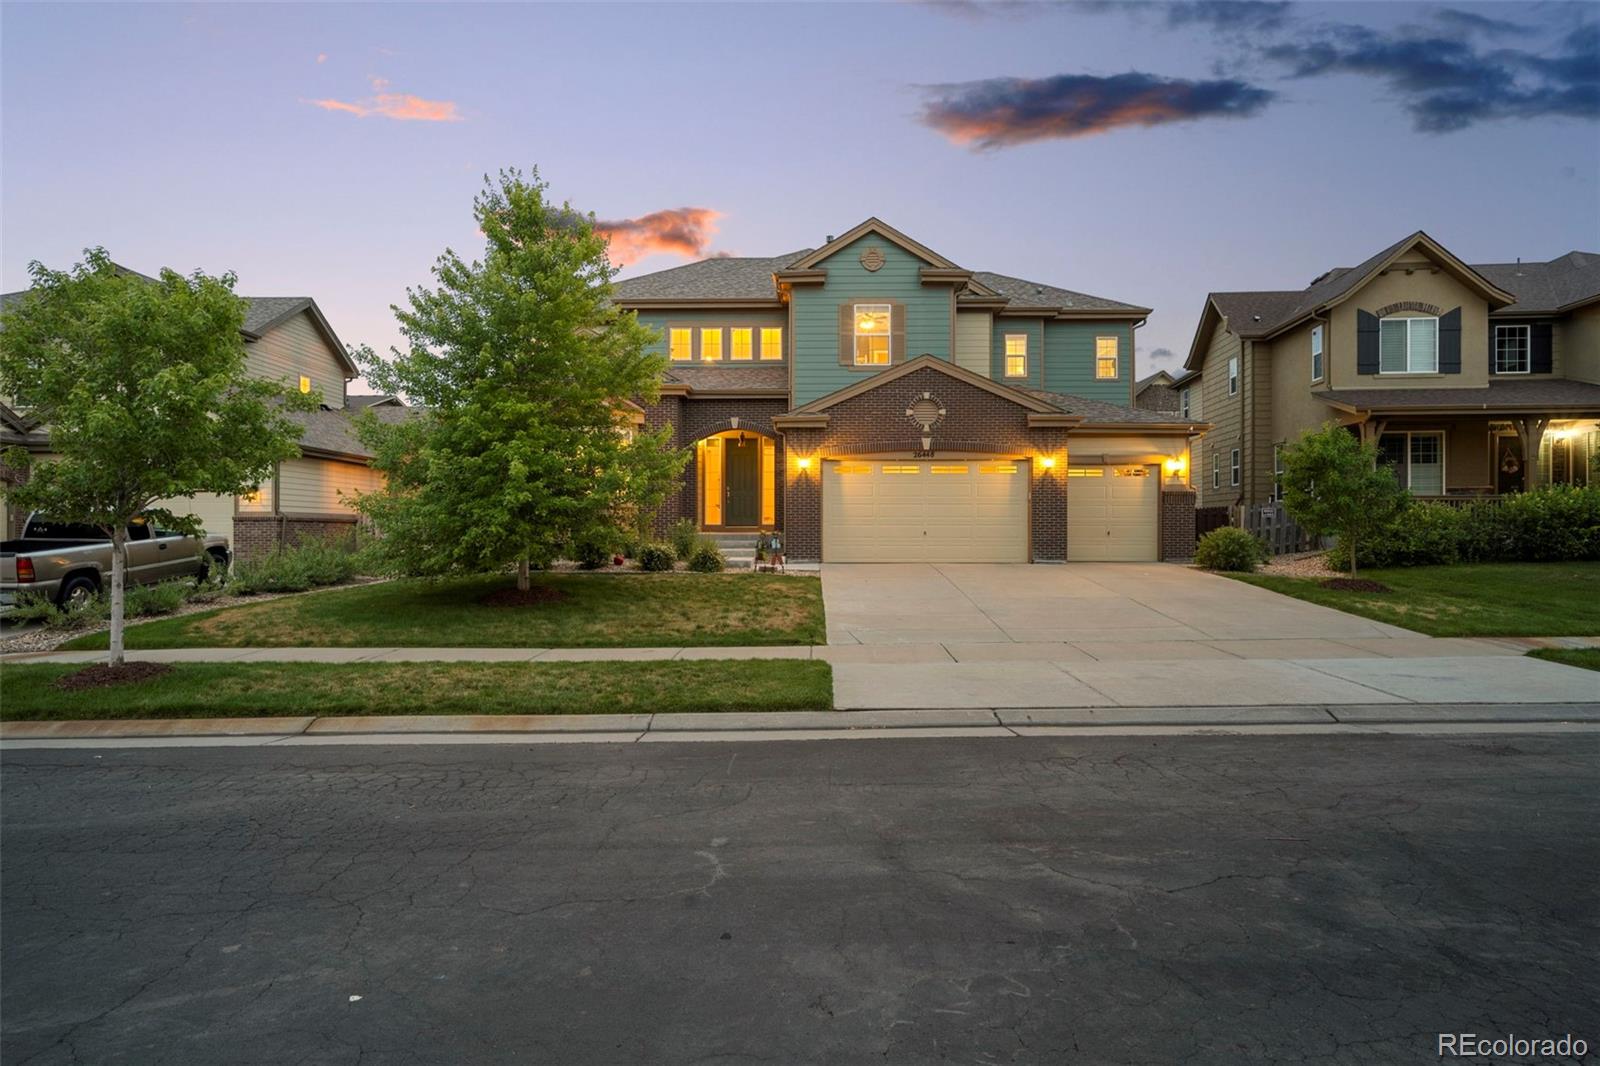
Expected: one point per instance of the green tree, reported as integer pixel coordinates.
(521, 365)
(142, 385)
(1333, 485)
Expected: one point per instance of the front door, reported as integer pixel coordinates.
(741, 480)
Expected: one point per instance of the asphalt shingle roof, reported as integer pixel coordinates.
(730, 378)
(727, 278)
(334, 431)
(1101, 410)
(1024, 293)
(1500, 395)
(1544, 287)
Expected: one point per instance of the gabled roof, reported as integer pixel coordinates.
(1022, 293)
(331, 433)
(1536, 394)
(725, 278)
(702, 378)
(882, 229)
(1564, 283)
(1021, 397)
(1102, 412)
(1160, 377)
(361, 401)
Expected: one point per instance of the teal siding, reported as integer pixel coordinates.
(1069, 360)
(817, 370)
(1034, 328)
(658, 320)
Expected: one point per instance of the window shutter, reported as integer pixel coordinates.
(1450, 342)
(1366, 342)
(897, 332)
(847, 335)
(1540, 341)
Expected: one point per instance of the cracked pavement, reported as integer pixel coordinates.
(1104, 900)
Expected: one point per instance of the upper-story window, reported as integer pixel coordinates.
(742, 345)
(1105, 358)
(1016, 355)
(305, 383)
(872, 334)
(772, 342)
(1183, 401)
(1316, 353)
(1408, 346)
(1511, 349)
(1233, 375)
(711, 344)
(680, 345)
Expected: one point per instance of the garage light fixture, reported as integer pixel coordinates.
(803, 463)
(1047, 462)
(1175, 466)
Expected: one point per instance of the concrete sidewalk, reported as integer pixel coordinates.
(818, 725)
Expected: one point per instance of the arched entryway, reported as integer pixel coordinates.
(737, 487)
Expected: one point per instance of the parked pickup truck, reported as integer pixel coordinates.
(70, 563)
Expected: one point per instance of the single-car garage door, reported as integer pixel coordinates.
(1111, 513)
(944, 511)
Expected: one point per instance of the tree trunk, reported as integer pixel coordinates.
(522, 576)
(119, 570)
(1352, 557)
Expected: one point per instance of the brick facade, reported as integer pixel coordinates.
(1157, 398)
(1177, 524)
(975, 420)
(10, 476)
(256, 535)
(692, 420)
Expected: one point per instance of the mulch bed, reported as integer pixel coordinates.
(1354, 584)
(535, 596)
(104, 675)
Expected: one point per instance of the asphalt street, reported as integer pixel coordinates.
(1097, 900)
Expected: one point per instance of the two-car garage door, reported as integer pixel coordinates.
(948, 511)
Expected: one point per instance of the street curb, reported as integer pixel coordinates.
(977, 721)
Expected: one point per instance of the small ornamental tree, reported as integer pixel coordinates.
(522, 367)
(1333, 485)
(141, 384)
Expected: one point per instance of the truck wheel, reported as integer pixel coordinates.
(78, 590)
(216, 565)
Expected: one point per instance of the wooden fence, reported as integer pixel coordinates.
(1280, 533)
(1208, 518)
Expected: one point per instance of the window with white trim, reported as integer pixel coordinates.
(1233, 467)
(1278, 470)
(680, 345)
(742, 346)
(871, 334)
(711, 344)
(1016, 355)
(1417, 460)
(1216, 469)
(1183, 401)
(771, 343)
(1233, 375)
(1316, 353)
(1106, 352)
(1512, 347)
(1408, 346)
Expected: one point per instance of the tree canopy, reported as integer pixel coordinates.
(142, 385)
(524, 445)
(1333, 485)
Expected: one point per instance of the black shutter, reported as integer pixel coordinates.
(1366, 342)
(1450, 342)
(1540, 340)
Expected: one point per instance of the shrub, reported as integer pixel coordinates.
(656, 557)
(1230, 548)
(1552, 524)
(32, 607)
(293, 570)
(150, 601)
(683, 537)
(706, 559)
(1423, 534)
(592, 554)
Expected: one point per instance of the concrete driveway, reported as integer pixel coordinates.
(1140, 635)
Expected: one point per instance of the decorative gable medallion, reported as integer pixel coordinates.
(872, 258)
(926, 412)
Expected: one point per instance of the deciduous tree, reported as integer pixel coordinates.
(1333, 485)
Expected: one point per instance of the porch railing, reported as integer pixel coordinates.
(1462, 502)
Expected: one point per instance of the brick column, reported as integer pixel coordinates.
(1177, 524)
(802, 495)
(1048, 505)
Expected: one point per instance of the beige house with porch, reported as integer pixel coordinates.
(1475, 380)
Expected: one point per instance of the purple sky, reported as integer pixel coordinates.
(1144, 152)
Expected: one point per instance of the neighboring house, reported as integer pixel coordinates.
(287, 339)
(875, 401)
(1473, 380)
(1155, 393)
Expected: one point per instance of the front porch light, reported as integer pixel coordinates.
(1047, 462)
(803, 463)
(1174, 466)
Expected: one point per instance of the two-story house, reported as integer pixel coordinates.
(286, 339)
(1474, 380)
(876, 402)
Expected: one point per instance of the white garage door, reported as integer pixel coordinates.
(944, 511)
(1112, 513)
(215, 512)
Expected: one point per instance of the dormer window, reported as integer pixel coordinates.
(871, 334)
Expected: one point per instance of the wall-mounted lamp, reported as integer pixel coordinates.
(803, 463)
(1047, 462)
(1175, 466)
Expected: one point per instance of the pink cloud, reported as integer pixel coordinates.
(684, 231)
(322, 57)
(402, 107)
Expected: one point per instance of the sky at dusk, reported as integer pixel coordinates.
(1144, 152)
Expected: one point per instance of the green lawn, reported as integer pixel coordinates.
(597, 611)
(1478, 600)
(225, 690)
(1588, 658)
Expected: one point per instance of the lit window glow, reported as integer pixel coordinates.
(680, 346)
(1105, 358)
(1016, 355)
(872, 335)
(305, 383)
(711, 345)
(772, 343)
(742, 349)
